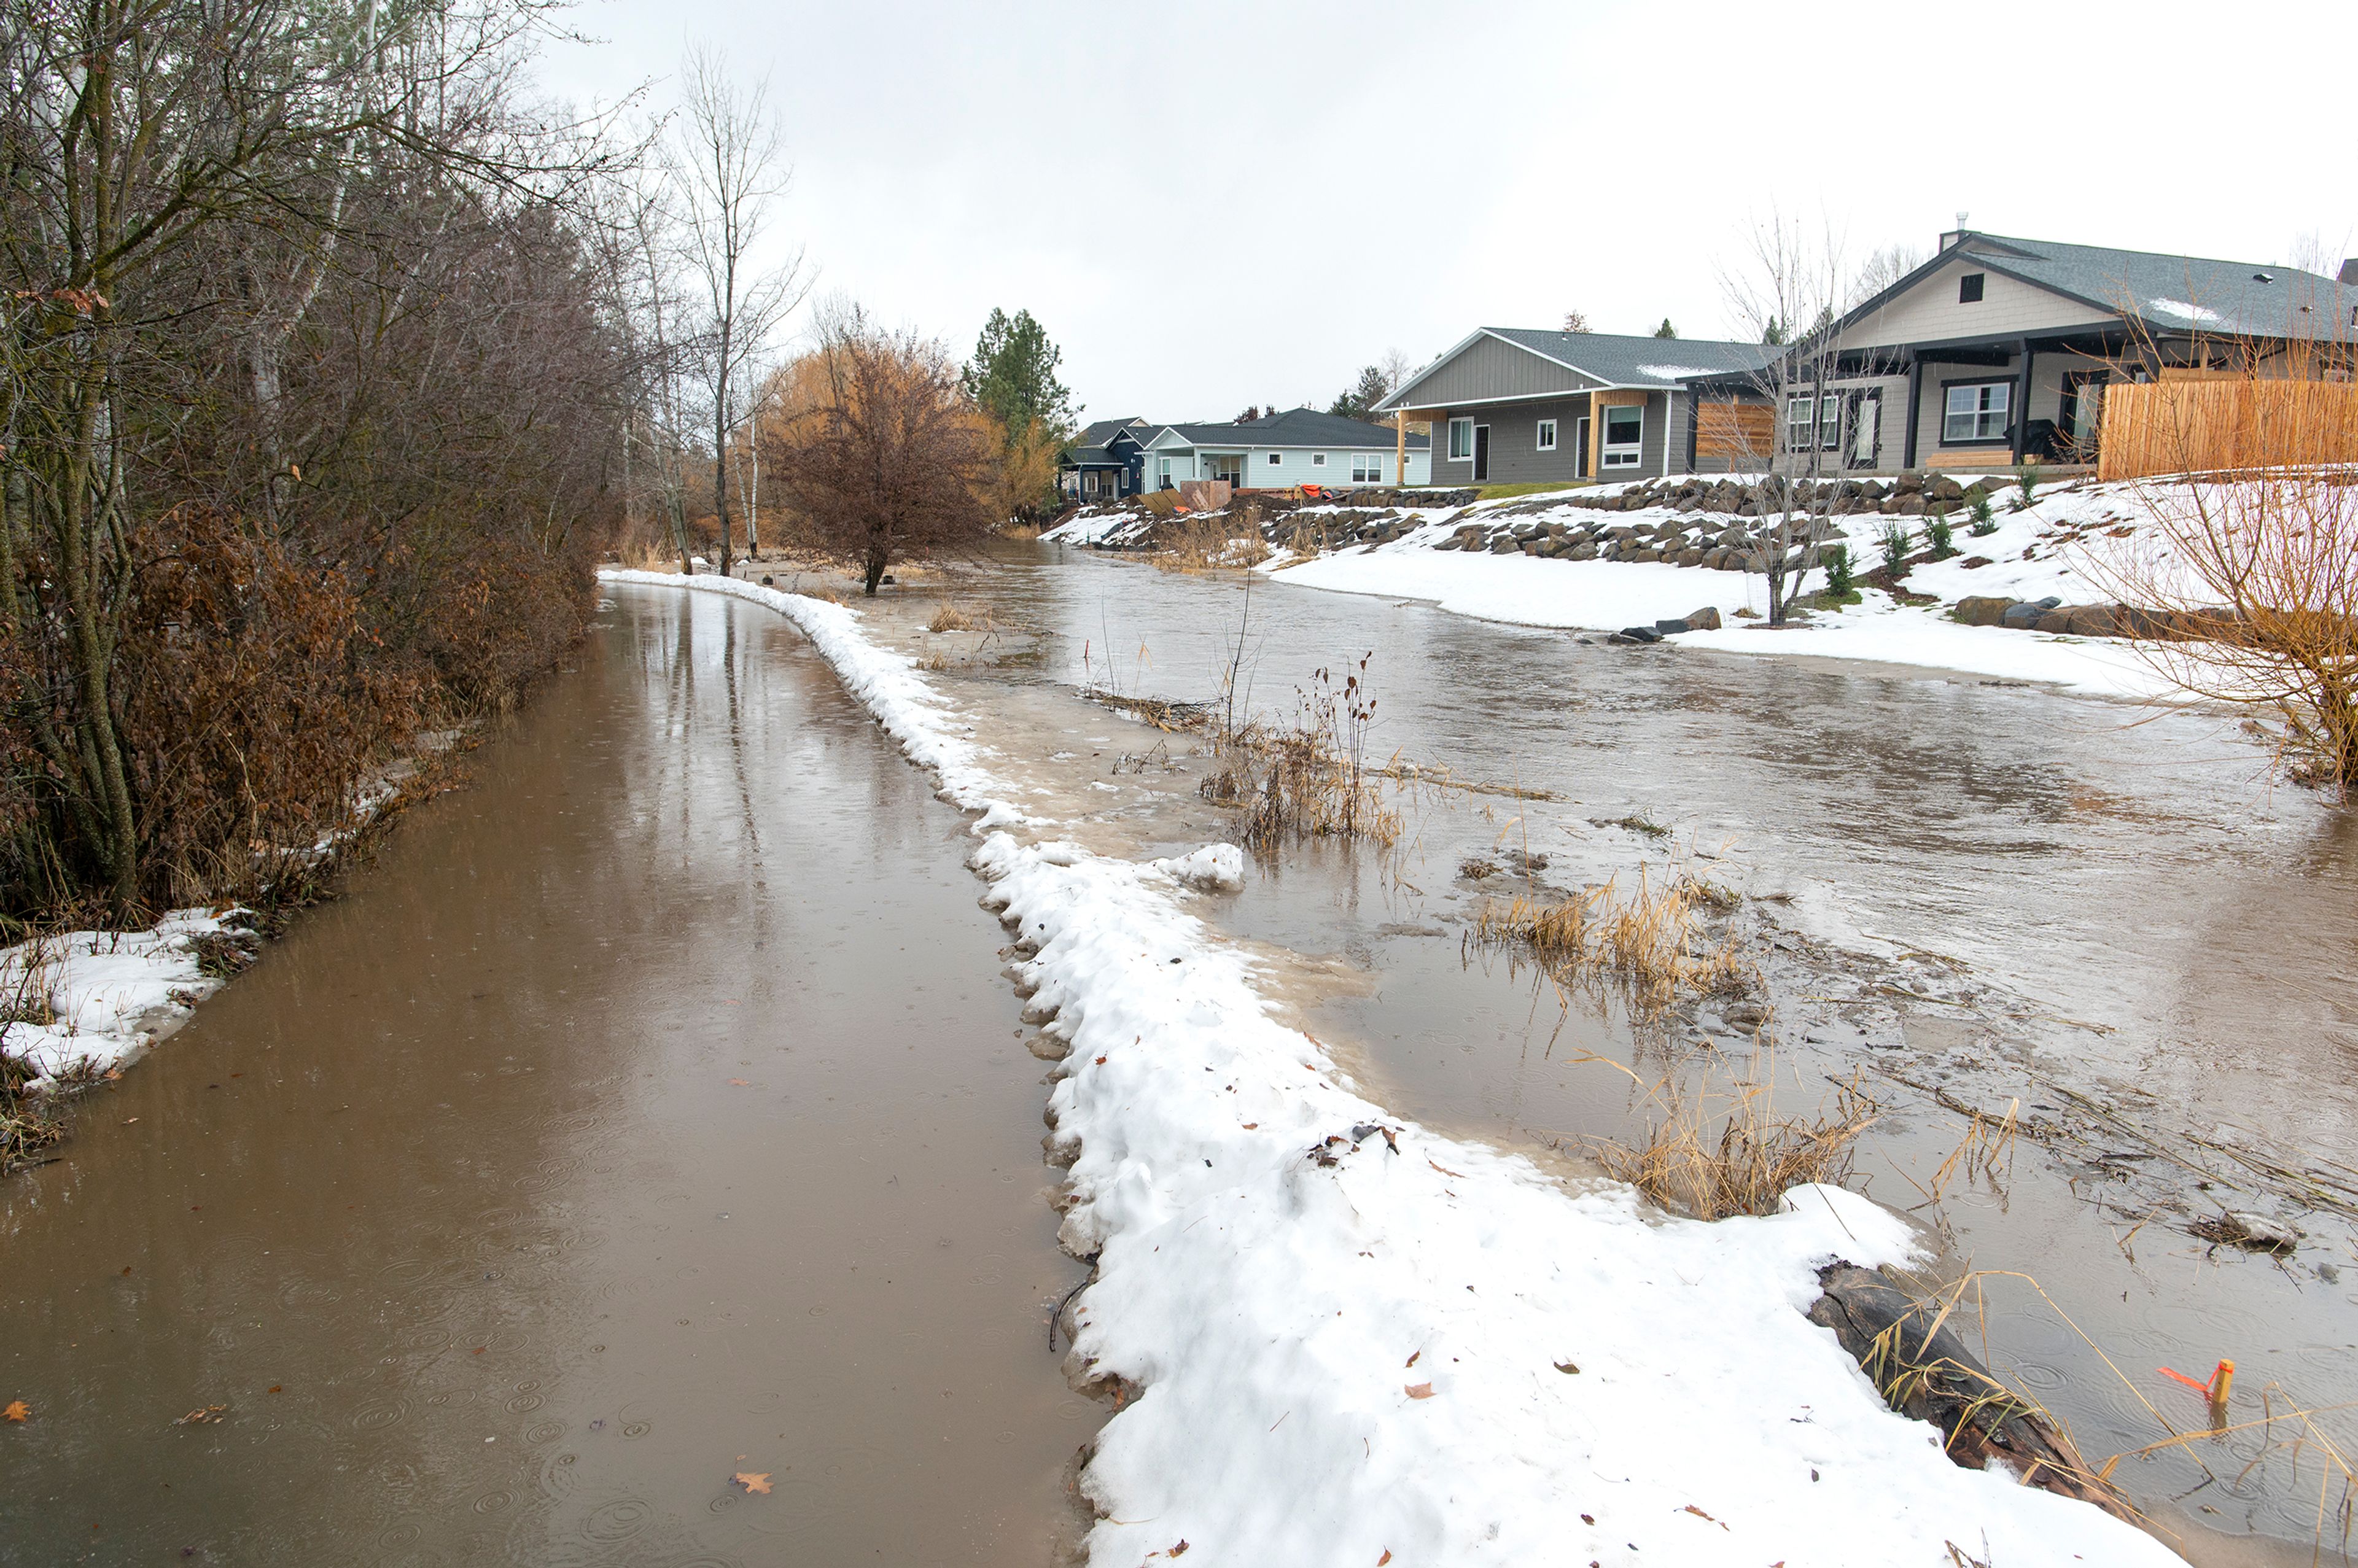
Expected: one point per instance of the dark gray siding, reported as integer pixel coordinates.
(1490, 367)
(1515, 457)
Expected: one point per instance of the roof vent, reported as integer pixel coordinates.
(2262, 278)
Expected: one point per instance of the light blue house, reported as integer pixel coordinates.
(1300, 446)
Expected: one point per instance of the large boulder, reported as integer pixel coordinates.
(1983, 609)
(1703, 619)
(2026, 617)
(1638, 634)
(2090, 620)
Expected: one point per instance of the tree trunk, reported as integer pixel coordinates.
(878, 560)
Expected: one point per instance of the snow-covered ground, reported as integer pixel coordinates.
(109, 994)
(1289, 1276)
(2045, 550)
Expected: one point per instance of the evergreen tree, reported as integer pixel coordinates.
(1372, 387)
(1013, 376)
(1773, 335)
(1666, 330)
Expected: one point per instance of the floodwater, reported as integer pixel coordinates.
(650, 1112)
(2003, 893)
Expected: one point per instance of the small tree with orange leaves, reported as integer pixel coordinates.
(2247, 585)
(885, 457)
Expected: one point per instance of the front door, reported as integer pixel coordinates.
(1230, 467)
(1579, 447)
(2083, 412)
(1481, 454)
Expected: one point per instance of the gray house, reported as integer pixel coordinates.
(1999, 349)
(1510, 405)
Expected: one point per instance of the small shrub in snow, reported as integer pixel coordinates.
(2027, 476)
(1985, 521)
(1839, 570)
(1896, 543)
(1940, 533)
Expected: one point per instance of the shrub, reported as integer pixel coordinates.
(2027, 476)
(1896, 543)
(1940, 533)
(1984, 522)
(1839, 570)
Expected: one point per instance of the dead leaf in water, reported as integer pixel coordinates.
(200, 1416)
(1420, 1391)
(739, 1084)
(14, 1410)
(752, 1480)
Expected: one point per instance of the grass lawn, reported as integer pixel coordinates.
(1536, 487)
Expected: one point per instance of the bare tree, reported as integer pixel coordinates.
(1789, 293)
(729, 170)
(889, 457)
(1880, 270)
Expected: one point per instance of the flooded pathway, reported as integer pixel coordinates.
(650, 1112)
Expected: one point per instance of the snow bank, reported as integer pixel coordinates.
(111, 993)
(1217, 868)
(1348, 1337)
(2042, 550)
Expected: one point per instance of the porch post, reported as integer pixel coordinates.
(1400, 449)
(1915, 406)
(1694, 419)
(1596, 439)
(2022, 403)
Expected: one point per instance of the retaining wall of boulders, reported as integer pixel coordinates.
(1905, 494)
(1732, 545)
(2093, 620)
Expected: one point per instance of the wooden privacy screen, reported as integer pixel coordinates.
(2203, 427)
(1730, 430)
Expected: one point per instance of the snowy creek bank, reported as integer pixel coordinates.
(1984, 896)
(1336, 1333)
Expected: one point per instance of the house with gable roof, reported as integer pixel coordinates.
(1999, 349)
(1276, 451)
(1517, 404)
(1105, 461)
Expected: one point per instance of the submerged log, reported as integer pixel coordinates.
(1922, 1369)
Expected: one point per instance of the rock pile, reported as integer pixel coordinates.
(1689, 541)
(1903, 494)
(2052, 614)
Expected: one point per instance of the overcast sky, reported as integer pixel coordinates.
(1210, 205)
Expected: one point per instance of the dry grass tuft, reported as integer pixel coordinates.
(950, 617)
(1649, 939)
(1214, 541)
(1314, 779)
(24, 998)
(1739, 1157)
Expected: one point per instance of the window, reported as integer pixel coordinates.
(1318, 460)
(1975, 411)
(1624, 431)
(1547, 434)
(1969, 289)
(1274, 459)
(1461, 440)
(1164, 471)
(1830, 422)
(1799, 416)
(1367, 468)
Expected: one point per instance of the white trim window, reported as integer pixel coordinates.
(1367, 468)
(1975, 411)
(1164, 474)
(1275, 459)
(1318, 460)
(1461, 440)
(1624, 435)
(1830, 422)
(1801, 416)
(1547, 436)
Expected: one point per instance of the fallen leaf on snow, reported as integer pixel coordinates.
(752, 1480)
(1385, 1558)
(1412, 1360)
(1446, 1170)
(1566, 1367)
(1699, 1514)
(14, 1410)
(1420, 1391)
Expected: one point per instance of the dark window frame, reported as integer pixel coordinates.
(2012, 413)
(1970, 288)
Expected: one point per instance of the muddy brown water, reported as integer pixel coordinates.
(2131, 909)
(649, 1112)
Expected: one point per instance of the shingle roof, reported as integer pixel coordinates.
(1297, 427)
(1099, 432)
(1636, 361)
(2174, 293)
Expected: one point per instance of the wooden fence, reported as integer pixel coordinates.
(1735, 431)
(2209, 426)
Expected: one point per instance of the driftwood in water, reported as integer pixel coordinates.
(1922, 1368)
